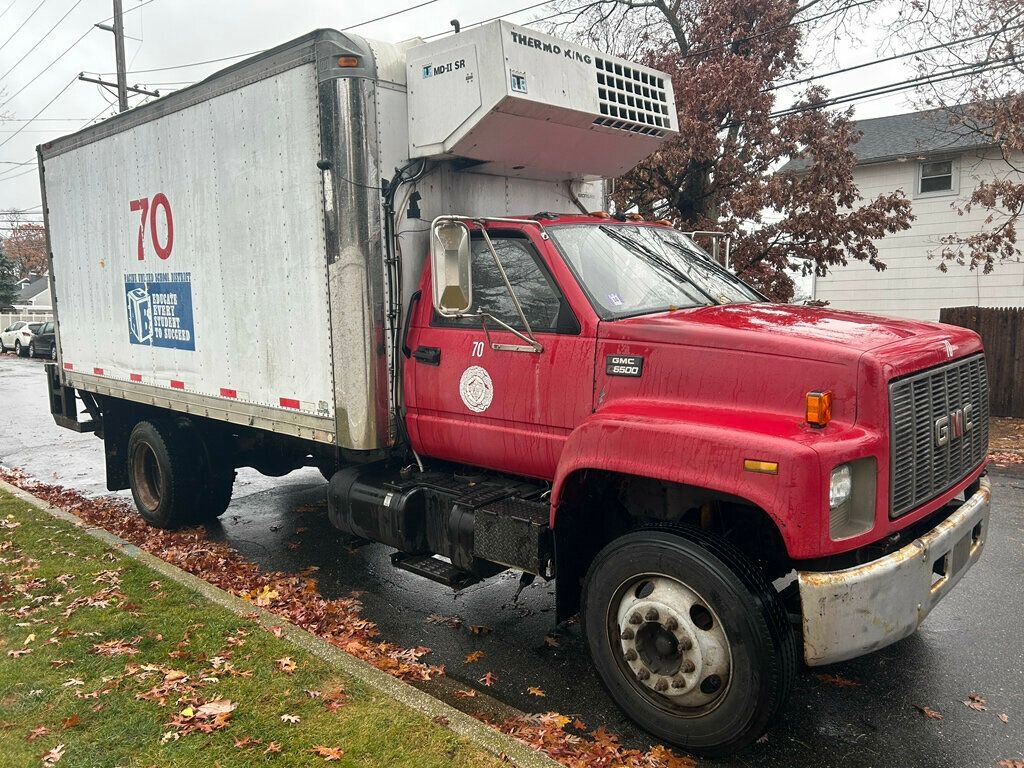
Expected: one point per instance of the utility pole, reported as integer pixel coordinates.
(122, 74)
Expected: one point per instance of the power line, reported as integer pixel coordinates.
(46, 69)
(48, 33)
(389, 15)
(37, 114)
(903, 85)
(26, 21)
(9, 6)
(133, 8)
(512, 13)
(894, 57)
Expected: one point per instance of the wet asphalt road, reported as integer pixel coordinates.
(972, 642)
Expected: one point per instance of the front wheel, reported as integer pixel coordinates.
(17, 348)
(689, 638)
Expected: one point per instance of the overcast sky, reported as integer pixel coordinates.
(168, 33)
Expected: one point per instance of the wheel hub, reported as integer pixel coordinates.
(672, 642)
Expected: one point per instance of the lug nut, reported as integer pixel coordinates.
(678, 681)
(661, 685)
(687, 666)
(636, 618)
(627, 634)
(686, 644)
(671, 624)
(630, 655)
(652, 614)
(643, 673)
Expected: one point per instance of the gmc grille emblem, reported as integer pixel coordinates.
(953, 426)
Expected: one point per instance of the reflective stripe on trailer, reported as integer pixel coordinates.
(175, 384)
(135, 376)
(98, 371)
(69, 367)
(225, 392)
(287, 402)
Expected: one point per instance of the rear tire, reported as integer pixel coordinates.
(32, 350)
(689, 638)
(17, 348)
(162, 472)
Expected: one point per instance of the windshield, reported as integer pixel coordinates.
(628, 269)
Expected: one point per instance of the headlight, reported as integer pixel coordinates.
(841, 486)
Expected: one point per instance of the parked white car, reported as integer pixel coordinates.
(17, 336)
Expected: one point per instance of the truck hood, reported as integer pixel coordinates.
(794, 331)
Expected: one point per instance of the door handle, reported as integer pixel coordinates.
(428, 355)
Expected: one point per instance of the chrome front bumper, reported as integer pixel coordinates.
(858, 610)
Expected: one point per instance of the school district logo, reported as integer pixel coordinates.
(476, 388)
(159, 309)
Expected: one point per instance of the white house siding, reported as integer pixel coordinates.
(912, 285)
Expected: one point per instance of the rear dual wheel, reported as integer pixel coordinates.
(175, 480)
(688, 638)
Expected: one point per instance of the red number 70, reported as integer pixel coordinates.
(163, 250)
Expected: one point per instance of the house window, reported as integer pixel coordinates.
(936, 176)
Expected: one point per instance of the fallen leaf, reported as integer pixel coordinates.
(38, 732)
(550, 641)
(71, 682)
(1004, 717)
(219, 707)
(277, 631)
(1011, 764)
(273, 746)
(286, 665)
(488, 679)
(441, 720)
(247, 741)
(329, 754)
(668, 759)
(71, 722)
(30, 638)
(16, 652)
(465, 693)
(533, 690)
(479, 629)
(928, 712)
(314, 694)
(54, 755)
(473, 657)
(838, 681)
(291, 719)
(449, 621)
(976, 702)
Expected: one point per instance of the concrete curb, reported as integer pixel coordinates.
(481, 735)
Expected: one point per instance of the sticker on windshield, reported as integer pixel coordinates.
(476, 389)
(615, 299)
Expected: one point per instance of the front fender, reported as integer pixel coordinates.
(706, 448)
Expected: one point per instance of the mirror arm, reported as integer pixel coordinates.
(529, 338)
(533, 344)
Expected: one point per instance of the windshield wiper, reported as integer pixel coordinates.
(656, 259)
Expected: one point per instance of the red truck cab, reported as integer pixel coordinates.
(702, 444)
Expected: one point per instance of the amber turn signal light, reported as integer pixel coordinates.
(348, 61)
(819, 408)
(763, 467)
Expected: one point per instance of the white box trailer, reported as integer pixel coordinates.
(223, 251)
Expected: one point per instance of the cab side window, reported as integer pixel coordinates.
(543, 305)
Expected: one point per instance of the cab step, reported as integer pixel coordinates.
(434, 569)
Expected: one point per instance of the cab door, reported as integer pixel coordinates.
(505, 410)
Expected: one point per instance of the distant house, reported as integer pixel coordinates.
(936, 164)
(34, 295)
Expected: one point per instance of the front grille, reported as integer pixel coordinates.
(921, 468)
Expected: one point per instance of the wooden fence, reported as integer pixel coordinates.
(1002, 332)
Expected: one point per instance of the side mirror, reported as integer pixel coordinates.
(450, 267)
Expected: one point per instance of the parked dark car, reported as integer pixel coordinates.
(43, 342)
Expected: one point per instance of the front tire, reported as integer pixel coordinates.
(689, 638)
(17, 348)
(32, 349)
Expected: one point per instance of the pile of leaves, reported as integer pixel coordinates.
(294, 597)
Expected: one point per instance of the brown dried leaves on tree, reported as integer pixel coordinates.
(721, 172)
